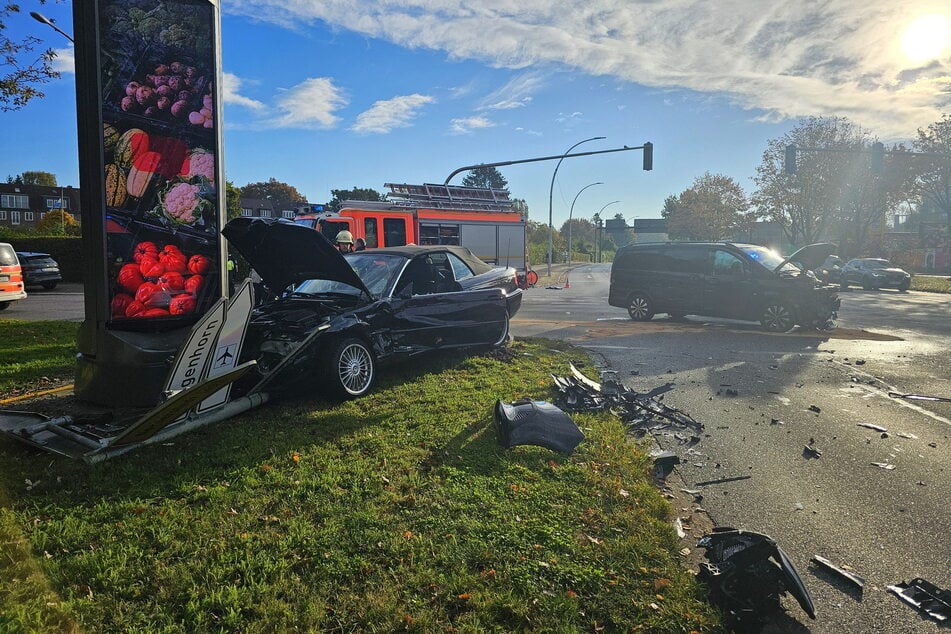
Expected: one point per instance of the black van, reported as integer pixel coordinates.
(724, 279)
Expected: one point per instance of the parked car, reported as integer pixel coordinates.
(11, 277)
(335, 317)
(723, 279)
(39, 269)
(830, 271)
(873, 274)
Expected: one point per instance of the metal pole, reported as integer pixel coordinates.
(39, 17)
(600, 224)
(571, 212)
(551, 190)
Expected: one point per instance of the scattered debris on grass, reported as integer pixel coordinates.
(528, 422)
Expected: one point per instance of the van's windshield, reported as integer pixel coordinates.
(769, 259)
(8, 256)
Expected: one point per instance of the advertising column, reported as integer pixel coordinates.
(152, 185)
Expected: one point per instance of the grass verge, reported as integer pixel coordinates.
(931, 283)
(397, 512)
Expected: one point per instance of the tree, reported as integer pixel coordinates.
(835, 192)
(232, 200)
(21, 69)
(34, 178)
(488, 177)
(713, 208)
(536, 234)
(58, 222)
(357, 193)
(274, 189)
(934, 179)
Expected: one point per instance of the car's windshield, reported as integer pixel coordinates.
(376, 271)
(877, 264)
(769, 258)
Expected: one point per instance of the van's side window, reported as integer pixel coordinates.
(685, 259)
(726, 264)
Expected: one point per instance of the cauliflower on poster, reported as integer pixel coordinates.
(184, 203)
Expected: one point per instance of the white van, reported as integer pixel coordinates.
(11, 277)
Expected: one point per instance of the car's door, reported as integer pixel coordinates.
(679, 284)
(430, 310)
(728, 289)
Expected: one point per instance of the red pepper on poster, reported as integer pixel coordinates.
(145, 250)
(119, 303)
(130, 277)
(199, 264)
(172, 281)
(134, 308)
(194, 283)
(182, 304)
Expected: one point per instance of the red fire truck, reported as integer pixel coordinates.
(480, 219)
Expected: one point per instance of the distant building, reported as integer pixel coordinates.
(268, 208)
(23, 206)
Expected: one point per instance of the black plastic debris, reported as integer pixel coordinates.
(747, 573)
(925, 597)
(528, 422)
(664, 463)
(814, 408)
(810, 452)
(845, 574)
(640, 411)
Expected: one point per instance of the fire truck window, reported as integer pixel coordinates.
(331, 229)
(459, 268)
(394, 232)
(369, 230)
(439, 234)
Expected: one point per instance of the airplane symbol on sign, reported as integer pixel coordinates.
(226, 357)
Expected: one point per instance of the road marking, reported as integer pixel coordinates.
(874, 391)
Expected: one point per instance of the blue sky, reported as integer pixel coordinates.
(327, 94)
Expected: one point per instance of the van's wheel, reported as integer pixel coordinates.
(777, 318)
(640, 308)
(904, 286)
(350, 369)
(5, 305)
(49, 285)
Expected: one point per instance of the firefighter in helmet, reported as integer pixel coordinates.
(344, 242)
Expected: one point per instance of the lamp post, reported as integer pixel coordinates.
(39, 17)
(598, 216)
(551, 190)
(572, 211)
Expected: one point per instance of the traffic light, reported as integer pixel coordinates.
(648, 156)
(790, 164)
(878, 157)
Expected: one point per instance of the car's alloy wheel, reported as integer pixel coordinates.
(777, 318)
(351, 369)
(640, 308)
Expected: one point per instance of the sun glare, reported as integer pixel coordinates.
(927, 38)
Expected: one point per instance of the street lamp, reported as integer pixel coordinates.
(571, 211)
(39, 17)
(551, 191)
(598, 216)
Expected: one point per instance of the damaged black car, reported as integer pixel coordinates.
(724, 279)
(335, 318)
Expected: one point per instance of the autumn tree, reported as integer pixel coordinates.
(58, 222)
(834, 192)
(356, 193)
(23, 67)
(232, 200)
(488, 177)
(713, 208)
(934, 174)
(274, 189)
(34, 178)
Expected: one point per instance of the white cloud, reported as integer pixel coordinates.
(64, 62)
(468, 124)
(230, 87)
(385, 115)
(788, 59)
(310, 104)
(516, 93)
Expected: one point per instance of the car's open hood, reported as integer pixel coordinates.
(285, 253)
(811, 256)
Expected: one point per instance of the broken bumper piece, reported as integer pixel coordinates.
(528, 422)
(747, 573)
(925, 597)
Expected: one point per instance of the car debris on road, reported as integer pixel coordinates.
(925, 597)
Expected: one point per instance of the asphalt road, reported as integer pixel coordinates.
(763, 399)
